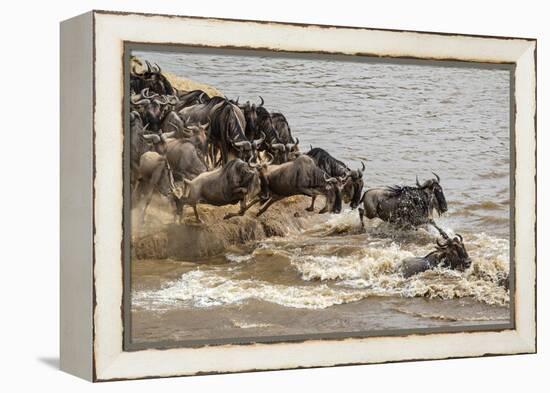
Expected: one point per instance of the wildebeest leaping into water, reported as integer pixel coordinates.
(405, 206)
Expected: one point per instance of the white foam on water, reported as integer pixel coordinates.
(236, 258)
(209, 289)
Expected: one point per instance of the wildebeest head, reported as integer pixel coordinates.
(453, 254)
(250, 114)
(151, 78)
(151, 107)
(333, 194)
(158, 141)
(292, 150)
(435, 191)
(353, 186)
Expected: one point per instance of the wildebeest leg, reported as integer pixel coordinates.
(153, 184)
(148, 198)
(362, 217)
(312, 207)
(441, 231)
(197, 214)
(266, 205)
(241, 211)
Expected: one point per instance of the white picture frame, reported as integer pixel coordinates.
(92, 135)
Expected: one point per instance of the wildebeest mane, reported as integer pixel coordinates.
(328, 163)
(281, 124)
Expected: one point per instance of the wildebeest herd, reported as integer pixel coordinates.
(196, 149)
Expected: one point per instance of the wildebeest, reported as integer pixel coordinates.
(250, 111)
(151, 78)
(450, 254)
(142, 141)
(300, 177)
(227, 125)
(186, 162)
(155, 174)
(225, 185)
(352, 179)
(284, 136)
(191, 98)
(405, 206)
(151, 107)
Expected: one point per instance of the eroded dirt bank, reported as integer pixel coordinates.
(160, 238)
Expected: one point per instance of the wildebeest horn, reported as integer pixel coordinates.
(297, 141)
(439, 244)
(460, 237)
(161, 100)
(158, 68)
(362, 166)
(145, 93)
(437, 177)
(200, 97)
(257, 142)
(205, 125)
(135, 72)
(417, 182)
(270, 161)
(148, 66)
(140, 101)
(261, 99)
(251, 164)
(329, 179)
(145, 126)
(237, 100)
(169, 134)
(278, 146)
(310, 147)
(152, 137)
(241, 144)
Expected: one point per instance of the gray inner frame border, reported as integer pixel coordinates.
(183, 49)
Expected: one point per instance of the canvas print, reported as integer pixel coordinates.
(276, 197)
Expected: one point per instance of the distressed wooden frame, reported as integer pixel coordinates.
(92, 47)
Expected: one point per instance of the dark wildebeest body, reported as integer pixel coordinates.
(191, 98)
(405, 206)
(290, 149)
(225, 185)
(227, 125)
(152, 108)
(152, 79)
(352, 179)
(451, 254)
(299, 177)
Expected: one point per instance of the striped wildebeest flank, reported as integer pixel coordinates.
(352, 179)
(406, 206)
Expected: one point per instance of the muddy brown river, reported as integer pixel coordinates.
(319, 273)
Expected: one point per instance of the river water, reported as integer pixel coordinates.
(402, 120)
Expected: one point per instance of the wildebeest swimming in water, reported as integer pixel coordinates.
(405, 206)
(352, 179)
(450, 254)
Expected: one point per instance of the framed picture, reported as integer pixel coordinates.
(246, 195)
